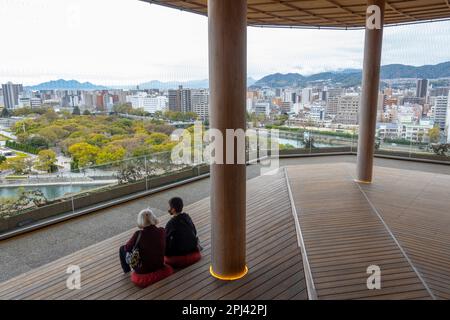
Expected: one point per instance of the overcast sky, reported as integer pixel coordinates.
(126, 42)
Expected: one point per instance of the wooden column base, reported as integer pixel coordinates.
(228, 278)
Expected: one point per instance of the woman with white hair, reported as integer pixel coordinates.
(144, 252)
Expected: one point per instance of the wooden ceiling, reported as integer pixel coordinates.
(335, 14)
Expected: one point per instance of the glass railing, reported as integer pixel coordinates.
(33, 198)
(414, 150)
(310, 142)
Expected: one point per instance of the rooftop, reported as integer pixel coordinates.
(340, 14)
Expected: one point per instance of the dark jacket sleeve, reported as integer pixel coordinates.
(193, 226)
(130, 244)
(170, 232)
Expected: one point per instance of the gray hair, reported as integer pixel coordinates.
(146, 218)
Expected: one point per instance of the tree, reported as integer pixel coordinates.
(17, 164)
(37, 141)
(84, 154)
(98, 139)
(157, 138)
(158, 114)
(51, 115)
(86, 113)
(46, 161)
(2, 159)
(29, 163)
(5, 113)
(110, 153)
(420, 136)
(76, 111)
(434, 135)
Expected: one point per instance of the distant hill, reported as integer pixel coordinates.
(352, 77)
(62, 84)
(346, 78)
(195, 84)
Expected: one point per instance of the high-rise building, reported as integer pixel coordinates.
(440, 111)
(422, 88)
(348, 108)
(286, 107)
(200, 103)
(180, 100)
(11, 94)
(332, 105)
(447, 124)
(380, 108)
(307, 95)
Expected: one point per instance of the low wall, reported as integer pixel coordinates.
(88, 199)
(315, 151)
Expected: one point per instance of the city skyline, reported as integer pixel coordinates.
(79, 43)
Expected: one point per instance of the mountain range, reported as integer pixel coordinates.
(62, 84)
(352, 77)
(347, 77)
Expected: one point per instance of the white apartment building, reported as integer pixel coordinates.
(387, 130)
(24, 102)
(439, 111)
(307, 95)
(200, 103)
(447, 125)
(261, 108)
(147, 103)
(415, 132)
(249, 105)
(317, 112)
(36, 102)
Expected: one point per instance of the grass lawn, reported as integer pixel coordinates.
(20, 154)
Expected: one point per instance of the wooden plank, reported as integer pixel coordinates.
(270, 234)
(344, 236)
(416, 206)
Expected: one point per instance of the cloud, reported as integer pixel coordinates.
(130, 41)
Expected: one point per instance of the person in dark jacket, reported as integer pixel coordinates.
(181, 234)
(151, 245)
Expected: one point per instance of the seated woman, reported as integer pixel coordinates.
(150, 243)
(182, 247)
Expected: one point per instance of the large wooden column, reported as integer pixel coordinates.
(227, 76)
(370, 90)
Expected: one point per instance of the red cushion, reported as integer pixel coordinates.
(183, 261)
(144, 280)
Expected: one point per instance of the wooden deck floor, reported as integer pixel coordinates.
(416, 206)
(274, 260)
(400, 223)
